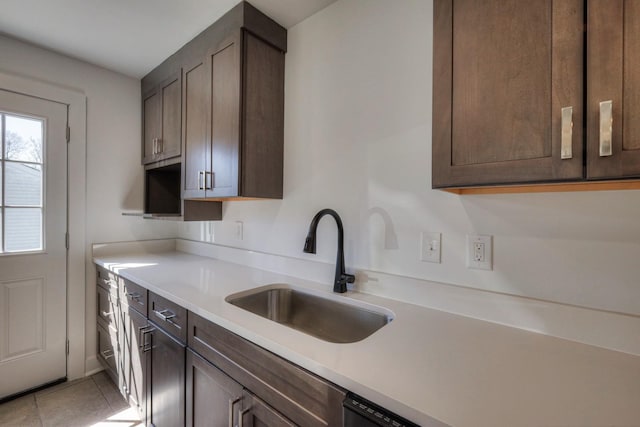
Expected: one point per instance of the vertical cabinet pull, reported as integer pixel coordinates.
(160, 145)
(200, 180)
(155, 146)
(232, 404)
(208, 183)
(606, 128)
(566, 150)
(146, 331)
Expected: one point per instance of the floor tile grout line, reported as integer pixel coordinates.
(101, 392)
(35, 402)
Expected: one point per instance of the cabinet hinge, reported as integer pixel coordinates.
(68, 134)
(67, 347)
(66, 240)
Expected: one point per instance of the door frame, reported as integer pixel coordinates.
(76, 101)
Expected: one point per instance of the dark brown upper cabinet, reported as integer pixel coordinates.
(503, 71)
(613, 70)
(213, 118)
(510, 87)
(234, 130)
(162, 120)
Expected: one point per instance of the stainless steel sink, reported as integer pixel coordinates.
(323, 318)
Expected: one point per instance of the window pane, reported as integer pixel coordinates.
(1, 187)
(23, 139)
(23, 186)
(23, 229)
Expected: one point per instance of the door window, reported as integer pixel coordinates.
(22, 183)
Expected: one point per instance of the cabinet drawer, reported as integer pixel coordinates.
(168, 316)
(134, 296)
(107, 348)
(106, 306)
(300, 396)
(107, 280)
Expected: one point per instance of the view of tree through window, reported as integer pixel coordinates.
(22, 183)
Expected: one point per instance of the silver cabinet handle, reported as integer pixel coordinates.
(200, 180)
(232, 404)
(134, 296)
(155, 146)
(146, 332)
(160, 145)
(208, 183)
(566, 150)
(107, 354)
(606, 128)
(167, 315)
(242, 414)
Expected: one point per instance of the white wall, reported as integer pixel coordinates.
(114, 177)
(358, 139)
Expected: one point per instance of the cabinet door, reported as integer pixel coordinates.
(503, 72)
(225, 119)
(170, 142)
(613, 72)
(151, 125)
(256, 413)
(136, 365)
(167, 380)
(162, 121)
(196, 97)
(213, 398)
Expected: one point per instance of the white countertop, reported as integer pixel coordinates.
(425, 365)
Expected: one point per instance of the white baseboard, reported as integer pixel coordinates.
(92, 366)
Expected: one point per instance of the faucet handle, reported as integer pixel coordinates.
(347, 278)
(341, 284)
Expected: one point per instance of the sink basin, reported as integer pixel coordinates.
(324, 318)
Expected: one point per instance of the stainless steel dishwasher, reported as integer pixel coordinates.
(359, 412)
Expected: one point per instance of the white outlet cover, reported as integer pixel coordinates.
(430, 244)
(487, 241)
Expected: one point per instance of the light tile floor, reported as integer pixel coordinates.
(92, 401)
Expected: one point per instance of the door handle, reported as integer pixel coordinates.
(167, 315)
(606, 128)
(201, 180)
(146, 331)
(566, 150)
(208, 184)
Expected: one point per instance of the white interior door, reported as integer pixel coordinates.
(33, 256)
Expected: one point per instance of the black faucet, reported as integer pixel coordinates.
(341, 280)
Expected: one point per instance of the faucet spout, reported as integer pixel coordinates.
(341, 277)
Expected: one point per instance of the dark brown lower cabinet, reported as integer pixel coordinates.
(136, 361)
(213, 398)
(166, 388)
(276, 392)
(220, 380)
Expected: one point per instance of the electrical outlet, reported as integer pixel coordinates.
(480, 252)
(430, 246)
